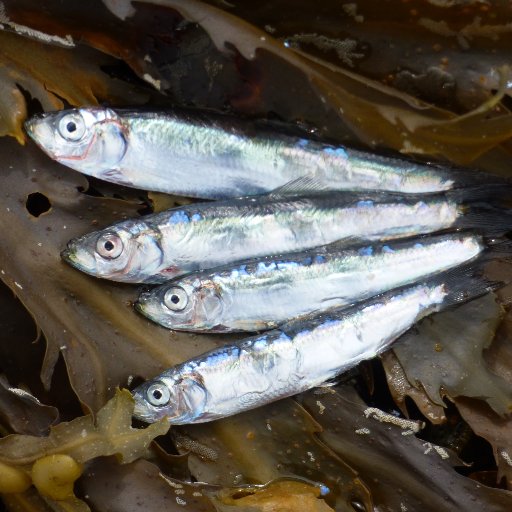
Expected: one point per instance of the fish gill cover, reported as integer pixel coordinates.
(422, 78)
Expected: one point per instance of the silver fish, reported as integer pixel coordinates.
(261, 294)
(216, 157)
(298, 356)
(158, 247)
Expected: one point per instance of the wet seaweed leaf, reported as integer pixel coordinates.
(420, 474)
(399, 121)
(89, 323)
(482, 419)
(139, 486)
(84, 439)
(52, 74)
(53, 463)
(401, 388)
(443, 354)
(414, 46)
(23, 413)
(20, 337)
(495, 429)
(281, 495)
(242, 73)
(28, 501)
(271, 442)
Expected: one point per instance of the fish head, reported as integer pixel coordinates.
(181, 398)
(189, 303)
(90, 140)
(127, 252)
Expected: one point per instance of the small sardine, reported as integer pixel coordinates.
(300, 355)
(255, 295)
(216, 157)
(158, 247)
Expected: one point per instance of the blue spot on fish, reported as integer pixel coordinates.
(329, 323)
(324, 490)
(302, 143)
(195, 217)
(283, 337)
(386, 248)
(339, 152)
(319, 259)
(260, 343)
(307, 261)
(240, 271)
(417, 245)
(179, 217)
(364, 204)
(366, 251)
(263, 267)
(283, 265)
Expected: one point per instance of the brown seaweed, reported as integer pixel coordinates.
(444, 355)
(424, 78)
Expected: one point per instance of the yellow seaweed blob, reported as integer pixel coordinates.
(13, 480)
(55, 475)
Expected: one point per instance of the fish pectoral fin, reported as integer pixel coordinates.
(336, 301)
(304, 184)
(116, 176)
(344, 243)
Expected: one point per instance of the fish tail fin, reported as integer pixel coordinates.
(485, 194)
(498, 248)
(467, 283)
(491, 221)
(463, 178)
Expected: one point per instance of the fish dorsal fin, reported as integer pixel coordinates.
(345, 244)
(302, 185)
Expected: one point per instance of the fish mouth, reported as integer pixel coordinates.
(140, 410)
(139, 306)
(40, 131)
(145, 307)
(83, 261)
(68, 255)
(28, 125)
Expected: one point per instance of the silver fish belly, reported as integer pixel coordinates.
(215, 157)
(158, 247)
(298, 356)
(261, 294)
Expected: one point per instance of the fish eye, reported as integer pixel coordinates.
(176, 298)
(158, 394)
(72, 127)
(109, 246)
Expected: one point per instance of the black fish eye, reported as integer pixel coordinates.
(109, 246)
(71, 127)
(176, 298)
(158, 394)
